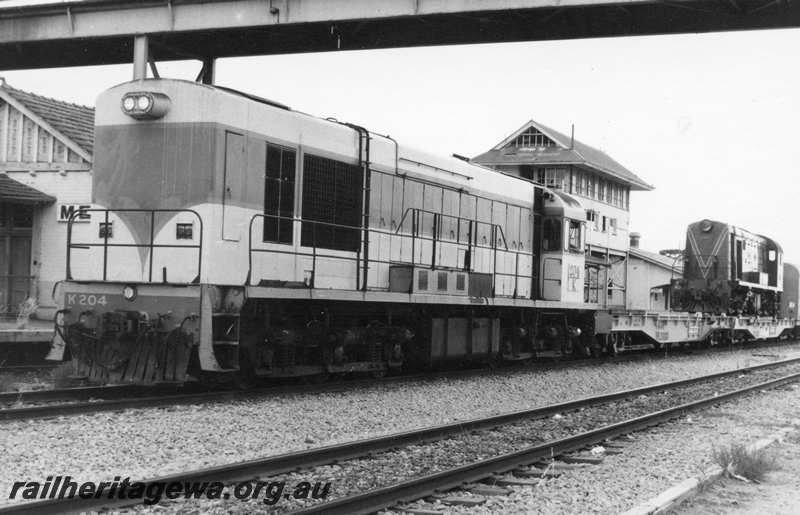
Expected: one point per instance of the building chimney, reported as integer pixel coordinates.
(635, 237)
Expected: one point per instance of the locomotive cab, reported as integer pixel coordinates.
(563, 241)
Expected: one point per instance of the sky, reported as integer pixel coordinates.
(710, 120)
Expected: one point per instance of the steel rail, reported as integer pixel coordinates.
(411, 490)
(148, 396)
(289, 462)
(144, 391)
(83, 392)
(28, 368)
(150, 400)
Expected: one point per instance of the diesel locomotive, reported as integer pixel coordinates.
(233, 237)
(230, 234)
(728, 270)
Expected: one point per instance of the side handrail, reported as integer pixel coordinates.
(314, 254)
(150, 244)
(459, 219)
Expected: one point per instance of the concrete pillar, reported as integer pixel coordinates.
(140, 56)
(209, 70)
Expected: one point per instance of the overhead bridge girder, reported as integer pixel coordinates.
(95, 32)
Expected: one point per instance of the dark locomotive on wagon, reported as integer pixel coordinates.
(728, 270)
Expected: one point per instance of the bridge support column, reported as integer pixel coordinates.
(207, 74)
(141, 52)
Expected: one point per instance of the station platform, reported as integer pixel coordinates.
(35, 331)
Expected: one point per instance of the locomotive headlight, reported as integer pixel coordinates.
(129, 292)
(145, 105)
(128, 103)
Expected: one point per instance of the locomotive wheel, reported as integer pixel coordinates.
(246, 377)
(243, 380)
(612, 345)
(322, 378)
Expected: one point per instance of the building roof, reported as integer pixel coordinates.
(72, 121)
(566, 150)
(658, 259)
(16, 192)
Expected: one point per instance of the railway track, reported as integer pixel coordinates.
(513, 468)
(760, 377)
(28, 368)
(95, 399)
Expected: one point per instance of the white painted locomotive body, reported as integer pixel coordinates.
(217, 141)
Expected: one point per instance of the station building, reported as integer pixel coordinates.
(649, 278)
(593, 180)
(45, 174)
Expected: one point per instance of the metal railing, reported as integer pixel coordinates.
(150, 245)
(496, 242)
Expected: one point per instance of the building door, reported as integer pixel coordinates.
(232, 192)
(16, 223)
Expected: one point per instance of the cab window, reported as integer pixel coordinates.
(551, 234)
(574, 241)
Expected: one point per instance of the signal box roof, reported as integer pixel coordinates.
(556, 148)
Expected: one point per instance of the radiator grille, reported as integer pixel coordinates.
(332, 193)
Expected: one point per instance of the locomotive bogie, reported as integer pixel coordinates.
(309, 338)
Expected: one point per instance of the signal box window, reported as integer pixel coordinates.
(575, 236)
(332, 192)
(441, 281)
(422, 280)
(279, 173)
(551, 234)
(591, 216)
